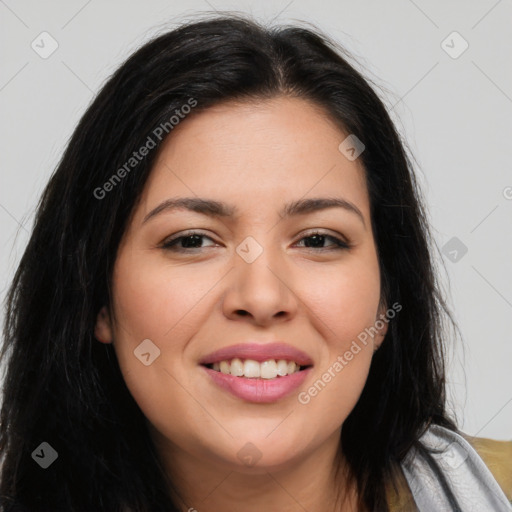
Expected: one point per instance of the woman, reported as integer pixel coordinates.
(228, 298)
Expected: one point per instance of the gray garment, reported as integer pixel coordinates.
(470, 480)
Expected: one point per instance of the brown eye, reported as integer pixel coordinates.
(317, 239)
(188, 241)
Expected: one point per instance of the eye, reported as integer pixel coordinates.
(317, 238)
(193, 241)
(186, 242)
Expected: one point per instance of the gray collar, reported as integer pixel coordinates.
(469, 480)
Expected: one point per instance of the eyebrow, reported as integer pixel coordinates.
(214, 208)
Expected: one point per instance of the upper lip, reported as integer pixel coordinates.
(258, 352)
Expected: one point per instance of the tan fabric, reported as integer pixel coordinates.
(400, 500)
(497, 456)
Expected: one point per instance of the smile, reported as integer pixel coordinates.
(255, 372)
(249, 368)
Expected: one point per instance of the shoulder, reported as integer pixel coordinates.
(497, 456)
(483, 459)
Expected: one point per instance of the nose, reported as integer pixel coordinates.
(260, 292)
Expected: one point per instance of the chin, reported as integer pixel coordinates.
(251, 454)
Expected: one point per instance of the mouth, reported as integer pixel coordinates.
(258, 373)
(252, 369)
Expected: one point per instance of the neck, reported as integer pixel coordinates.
(308, 483)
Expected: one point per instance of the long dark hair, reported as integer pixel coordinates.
(65, 388)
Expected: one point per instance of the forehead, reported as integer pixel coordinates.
(256, 154)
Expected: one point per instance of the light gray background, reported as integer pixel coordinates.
(456, 114)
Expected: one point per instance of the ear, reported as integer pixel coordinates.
(381, 324)
(103, 329)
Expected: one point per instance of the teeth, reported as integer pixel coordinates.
(251, 369)
(237, 368)
(282, 368)
(224, 367)
(268, 369)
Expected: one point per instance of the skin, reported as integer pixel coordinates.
(257, 157)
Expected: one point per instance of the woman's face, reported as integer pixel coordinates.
(256, 275)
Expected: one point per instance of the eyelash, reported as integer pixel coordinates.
(171, 245)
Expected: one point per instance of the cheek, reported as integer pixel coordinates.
(345, 301)
(157, 302)
(345, 307)
(154, 300)
(151, 304)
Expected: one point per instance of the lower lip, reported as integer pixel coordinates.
(258, 390)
